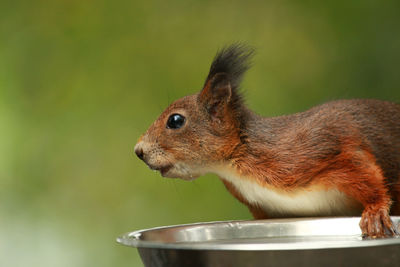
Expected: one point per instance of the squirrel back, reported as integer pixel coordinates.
(339, 158)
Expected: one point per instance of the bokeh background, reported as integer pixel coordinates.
(81, 80)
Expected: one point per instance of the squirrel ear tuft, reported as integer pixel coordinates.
(233, 60)
(221, 88)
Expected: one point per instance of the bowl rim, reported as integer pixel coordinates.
(133, 239)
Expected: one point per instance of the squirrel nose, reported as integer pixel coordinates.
(139, 152)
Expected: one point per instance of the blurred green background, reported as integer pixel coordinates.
(81, 80)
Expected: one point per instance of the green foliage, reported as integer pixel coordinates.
(81, 80)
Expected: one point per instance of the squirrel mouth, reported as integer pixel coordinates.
(165, 169)
(162, 169)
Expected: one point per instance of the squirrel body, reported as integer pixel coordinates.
(338, 158)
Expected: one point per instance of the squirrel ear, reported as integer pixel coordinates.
(216, 94)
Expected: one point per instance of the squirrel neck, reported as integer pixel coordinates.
(257, 153)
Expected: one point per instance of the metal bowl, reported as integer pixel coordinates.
(277, 242)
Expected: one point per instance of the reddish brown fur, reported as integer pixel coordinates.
(346, 163)
(349, 145)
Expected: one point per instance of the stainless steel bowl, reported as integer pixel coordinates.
(278, 242)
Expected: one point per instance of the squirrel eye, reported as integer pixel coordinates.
(175, 121)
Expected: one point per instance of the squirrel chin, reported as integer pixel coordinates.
(173, 172)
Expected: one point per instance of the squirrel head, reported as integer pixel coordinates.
(199, 132)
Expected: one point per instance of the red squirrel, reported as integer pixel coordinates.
(341, 158)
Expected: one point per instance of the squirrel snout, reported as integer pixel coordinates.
(139, 151)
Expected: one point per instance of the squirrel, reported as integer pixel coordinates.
(341, 158)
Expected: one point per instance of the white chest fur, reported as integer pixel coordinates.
(311, 201)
